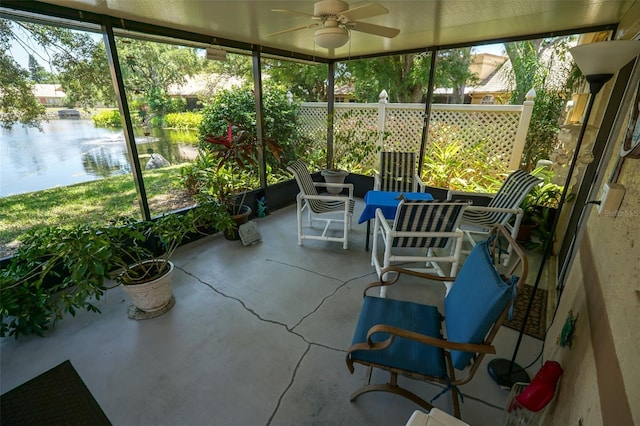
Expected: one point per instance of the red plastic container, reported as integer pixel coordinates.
(542, 388)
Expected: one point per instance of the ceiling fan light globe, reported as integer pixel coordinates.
(331, 37)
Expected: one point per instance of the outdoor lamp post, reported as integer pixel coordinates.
(598, 62)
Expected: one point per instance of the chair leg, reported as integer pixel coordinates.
(392, 387)
(299, 218)
(455, 394)
(346, 226)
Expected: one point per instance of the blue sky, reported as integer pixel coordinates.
(22, 57)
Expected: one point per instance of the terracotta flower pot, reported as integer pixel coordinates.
(238, 219)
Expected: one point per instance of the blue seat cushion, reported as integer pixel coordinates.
(404, 354)
(476, 300)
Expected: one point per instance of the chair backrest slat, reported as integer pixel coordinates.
(397, 170)
(427, 216)
(305, 182)
(511, 193)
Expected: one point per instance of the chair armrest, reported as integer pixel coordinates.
(462, 194)
(400, 270)
(516, 211)
(427, 340)
(419, 185)
(384, 222)
(399, 332)
(325, 197)
(376, 182)
(348, 186)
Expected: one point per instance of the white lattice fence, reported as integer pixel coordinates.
(355, 125)
(313, 123)
(404, 123)
(494, 129)
(501, 129)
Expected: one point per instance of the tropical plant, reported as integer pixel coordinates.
(447, 164)
(236, 154)
(280, 120)
(107, 118)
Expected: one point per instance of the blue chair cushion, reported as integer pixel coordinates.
(404, 353)
(476, 300)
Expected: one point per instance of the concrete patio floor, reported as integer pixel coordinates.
(257, 337)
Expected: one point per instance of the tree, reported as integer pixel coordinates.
(400, 75)
(17, 103)
(542, 65)
(37, 72)
(149, 69)
(452, 72)
(305, 82)
(405, 77)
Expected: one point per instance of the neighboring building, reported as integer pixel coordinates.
(203, 85)
(344, 93)
(492, 71)
(49, 95)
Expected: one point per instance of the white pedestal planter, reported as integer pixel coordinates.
(334, 176)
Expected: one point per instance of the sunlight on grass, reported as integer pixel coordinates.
(95, 202)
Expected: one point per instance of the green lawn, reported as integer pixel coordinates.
(97, 201)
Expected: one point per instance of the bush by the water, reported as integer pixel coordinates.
(183, 120)
(108, 118)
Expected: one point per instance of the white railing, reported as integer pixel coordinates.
(502, 129)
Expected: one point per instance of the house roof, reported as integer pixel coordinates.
(48, 91)
(204, 83)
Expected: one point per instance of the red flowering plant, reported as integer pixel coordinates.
(237, 154)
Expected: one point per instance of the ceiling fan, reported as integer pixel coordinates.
(336, 20)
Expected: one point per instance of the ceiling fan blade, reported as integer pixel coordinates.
(363, 12)
(301, 27)
(294, 12)
(374, 29)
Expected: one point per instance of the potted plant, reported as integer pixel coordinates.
(141, 253)
(539, 209)
(55, 270)
(59, 270)
(236, 155)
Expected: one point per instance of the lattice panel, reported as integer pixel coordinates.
(405, 126)
(495, 130)
(313, 123)
(360, 121)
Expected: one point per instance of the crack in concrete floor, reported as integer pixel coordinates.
(286, 327)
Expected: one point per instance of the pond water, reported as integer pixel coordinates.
(73, 151)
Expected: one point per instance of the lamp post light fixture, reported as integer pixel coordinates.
(598, 62)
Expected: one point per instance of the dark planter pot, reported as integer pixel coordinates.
(524, 232)
(238, 219)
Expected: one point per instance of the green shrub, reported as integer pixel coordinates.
(280, 120)
(107, 118)
(183, 120)
(448, 165)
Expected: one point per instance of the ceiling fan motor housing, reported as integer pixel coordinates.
(328, 8)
